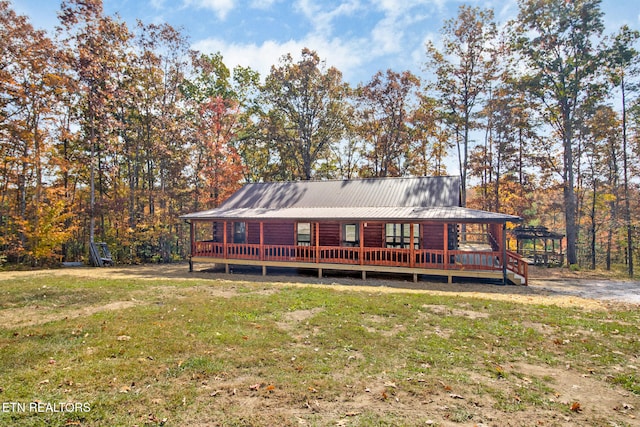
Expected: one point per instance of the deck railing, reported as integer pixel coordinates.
(393, 257)
(517, 264)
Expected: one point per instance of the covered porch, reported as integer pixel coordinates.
(469, 249)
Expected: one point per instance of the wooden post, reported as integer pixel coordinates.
(224, 246)
(446, 248)
(412, 250)
(192, 237)
(264, 267)
(192, 234)
(504, 253)
(261, 241)
(361, 239)
(317, 230)
(224, 239)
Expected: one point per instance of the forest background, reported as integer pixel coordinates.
(110, 133)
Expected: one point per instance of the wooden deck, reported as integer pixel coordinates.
(446, 263)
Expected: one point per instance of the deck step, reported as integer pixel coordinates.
(516, 279)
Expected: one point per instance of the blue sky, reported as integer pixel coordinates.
(359, 37)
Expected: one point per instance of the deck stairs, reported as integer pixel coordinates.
(515, 278)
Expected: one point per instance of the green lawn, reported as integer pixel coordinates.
(75, 351)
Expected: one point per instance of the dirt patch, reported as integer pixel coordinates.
(35, 315)
(585, 397)
(442, 310)
(293, 319)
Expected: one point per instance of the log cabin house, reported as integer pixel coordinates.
(409, 226)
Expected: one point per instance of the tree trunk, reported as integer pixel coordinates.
(569, 190)
(593, 227)
(627, 202)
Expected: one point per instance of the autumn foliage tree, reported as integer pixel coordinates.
(111, 132)
(556, 39)
(463, 67)
(304, 104)
(385, 107)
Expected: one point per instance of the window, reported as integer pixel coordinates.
(239, 232)
(304, 234)
(399, 235)
(350, 235)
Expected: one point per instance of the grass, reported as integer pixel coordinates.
(243, 354)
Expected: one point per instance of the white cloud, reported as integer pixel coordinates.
(346, 56)
(220, 7)
(388, 35)
(322, 17)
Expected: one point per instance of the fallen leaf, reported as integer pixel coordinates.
(575, 407)
(446, 387)
(254, 387)
(123, 338)
(271, 388)
(455, 396)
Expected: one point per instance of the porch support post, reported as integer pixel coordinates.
(192, 238)
(224, 246)
(261, 241)
(224, 239)
(361, 239)
(446, 246)
(504, 253)
(264, 267)
(412, 248)
(318, 245)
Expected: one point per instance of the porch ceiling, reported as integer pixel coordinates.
(436, 214)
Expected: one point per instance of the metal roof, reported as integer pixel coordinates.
(419, 191)
(383, 199)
